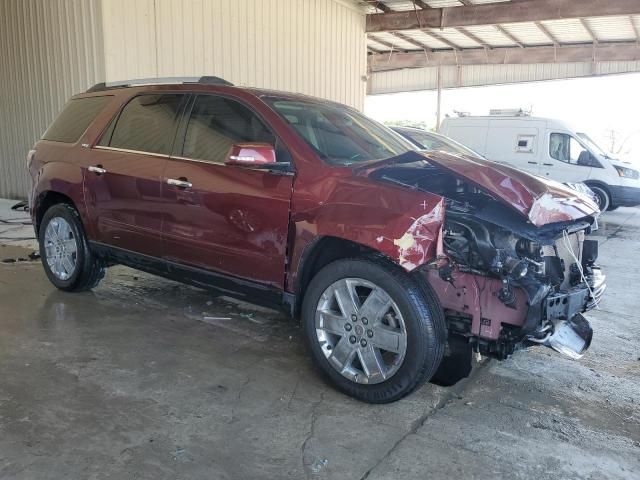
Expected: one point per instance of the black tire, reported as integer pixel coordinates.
(423, 319)
(603, 198)
(89, 270)
(611, 208)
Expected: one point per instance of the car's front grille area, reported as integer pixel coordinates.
(563, 248)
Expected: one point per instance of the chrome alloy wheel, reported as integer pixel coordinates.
(61, 248)
(361, 331)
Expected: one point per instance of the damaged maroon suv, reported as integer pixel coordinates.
(399, 263)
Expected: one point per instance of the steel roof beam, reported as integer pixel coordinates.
(594, 37)
(549, 35)
(623, 51)
(473, 37)
(498, 13)
(508, 34)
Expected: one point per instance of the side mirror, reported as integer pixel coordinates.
(251, 154)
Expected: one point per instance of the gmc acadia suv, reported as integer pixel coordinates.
(399, 263)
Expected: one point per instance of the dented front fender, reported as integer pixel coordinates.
(403, 225)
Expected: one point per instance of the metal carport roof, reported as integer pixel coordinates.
(479, 42)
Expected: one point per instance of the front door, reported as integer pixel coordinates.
(124, 173)
(567, 160)
(228, 219)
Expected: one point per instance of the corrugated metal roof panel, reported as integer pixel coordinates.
(612, 28)
(393, 40)
(527, 33)
(490, 35)
(401, 5)
(443, 3)
(457, 38)
(568, 30)
(490, 1)
(427, 40)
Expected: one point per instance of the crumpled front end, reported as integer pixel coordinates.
(513, 263)
(500, 287)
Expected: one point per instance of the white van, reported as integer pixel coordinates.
(549, 148)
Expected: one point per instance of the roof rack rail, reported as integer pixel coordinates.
(206, 80)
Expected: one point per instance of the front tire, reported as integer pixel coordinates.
(64, 250)
(602, 197)
(373, 330)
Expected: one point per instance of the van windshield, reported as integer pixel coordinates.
(339, 135)
(591, 144)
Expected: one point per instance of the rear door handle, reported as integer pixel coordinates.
(98, 170)
(548, 164)
(533, 163)
(179, 182)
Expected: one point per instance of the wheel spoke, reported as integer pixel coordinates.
(330, 322)
(70, 245)
(67, 264)
(63, 230)
(51, 233)
(372, 363)
(346, 298)
(57, 267)
(342, 354)
(387, 339)
(376, 305)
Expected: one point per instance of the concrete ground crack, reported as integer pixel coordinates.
(310, 433)
(453, 394)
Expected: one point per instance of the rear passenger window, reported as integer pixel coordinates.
(146, 124)
(216, 123)
(74, 119)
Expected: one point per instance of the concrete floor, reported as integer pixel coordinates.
(146, 378)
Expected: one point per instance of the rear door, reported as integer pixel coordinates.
(515, 143)
(228, 219)
(123, 181)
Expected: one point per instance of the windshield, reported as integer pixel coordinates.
(434, 141)
(591, 144)
(339, 135)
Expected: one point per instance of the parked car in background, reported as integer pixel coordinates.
(425, 140)
(399, 263)
(549, 148)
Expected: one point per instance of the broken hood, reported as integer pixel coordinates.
(540, 200)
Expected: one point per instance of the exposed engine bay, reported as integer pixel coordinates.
(543, 277)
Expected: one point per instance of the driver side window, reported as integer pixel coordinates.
(567, 149)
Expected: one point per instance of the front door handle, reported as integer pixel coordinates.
(179, 182)
(97, 169)
(533, 163)
(548, 164)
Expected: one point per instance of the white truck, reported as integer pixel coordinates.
(549, 148)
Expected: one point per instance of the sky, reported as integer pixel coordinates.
(596, 105)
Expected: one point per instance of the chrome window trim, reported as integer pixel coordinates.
(125, 150)
(210, 162)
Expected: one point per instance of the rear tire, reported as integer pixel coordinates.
(64, 250)
(405, 318)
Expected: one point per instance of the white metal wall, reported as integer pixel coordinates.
(49, 50)
(412, 79)
(316, 47)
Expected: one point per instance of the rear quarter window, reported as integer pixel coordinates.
(74, 119)
(146, 124)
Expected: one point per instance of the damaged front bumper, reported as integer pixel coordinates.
(473, 310)
(564, 328)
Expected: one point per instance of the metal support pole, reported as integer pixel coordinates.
(439, 80)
